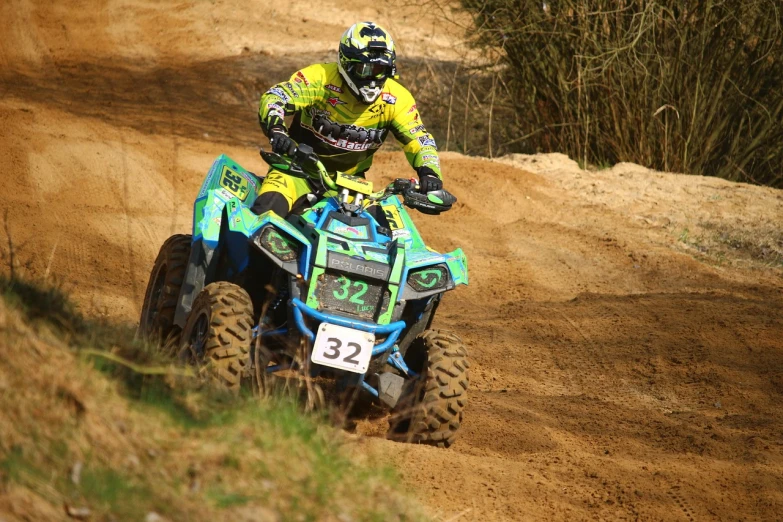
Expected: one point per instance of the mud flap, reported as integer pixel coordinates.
(201, 256)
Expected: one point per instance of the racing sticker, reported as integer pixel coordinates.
(280, 93)
(429, 159)
(275, 109)
(388, 98)
(393, 217)
(333, 88)
(234, 183)
(427, 141)
(416, 129)
(334, 102)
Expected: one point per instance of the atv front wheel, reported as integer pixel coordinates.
(160, 299)
(218, 333)
(430, 409)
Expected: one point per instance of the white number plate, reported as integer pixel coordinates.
(343, 348)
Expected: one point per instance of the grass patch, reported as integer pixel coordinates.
(223, 499)
(764, 248)
(159, 441)
(107, 492)
(757, 245)
(111, 492)
(42, 303)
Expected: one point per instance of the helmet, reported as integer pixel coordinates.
(365, 59)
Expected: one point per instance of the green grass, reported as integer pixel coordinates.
(104, 490)
(223, 499)
(109, 491)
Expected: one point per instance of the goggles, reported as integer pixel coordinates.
(364, 71)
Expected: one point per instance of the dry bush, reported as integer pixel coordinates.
(465, 106)
(688, 85)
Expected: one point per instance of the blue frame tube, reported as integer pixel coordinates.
(369, 388)
(270, 333)
(393, 330)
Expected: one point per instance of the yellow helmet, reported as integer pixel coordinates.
(365, 59)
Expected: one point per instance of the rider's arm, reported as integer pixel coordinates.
(419, 145)
(286, 98)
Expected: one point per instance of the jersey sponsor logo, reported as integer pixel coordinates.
(416, 129)
(377, 110)
(275, 109)
(427, 141)
(280, 93)
(301, 78)
(412, 109)
(344, 136)
(334, 102)
(291, 88)
(388, 98)
(429, 157)
(333, 88)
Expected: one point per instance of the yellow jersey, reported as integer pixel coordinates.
(343, 131)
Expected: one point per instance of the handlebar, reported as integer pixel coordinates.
(433, 202)
(304, 163)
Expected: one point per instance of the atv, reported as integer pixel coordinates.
(344, 290)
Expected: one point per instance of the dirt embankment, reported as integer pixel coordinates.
(624, 325)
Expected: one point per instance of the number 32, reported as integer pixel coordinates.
(336, 344)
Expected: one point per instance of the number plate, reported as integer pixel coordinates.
(235, 183)
(343, 348)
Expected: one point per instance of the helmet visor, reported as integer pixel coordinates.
(365, 71)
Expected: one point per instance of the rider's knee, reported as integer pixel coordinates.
(271, 201)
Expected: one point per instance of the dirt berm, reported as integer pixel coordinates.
(624, 325)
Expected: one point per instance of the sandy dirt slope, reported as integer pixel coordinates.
(625, 326)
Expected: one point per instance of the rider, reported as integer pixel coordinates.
(345, 111)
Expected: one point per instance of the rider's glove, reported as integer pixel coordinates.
(428, 180)
(281, 142)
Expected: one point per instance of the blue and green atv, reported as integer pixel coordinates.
(344, 289)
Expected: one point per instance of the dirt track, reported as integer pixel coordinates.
(621, 369)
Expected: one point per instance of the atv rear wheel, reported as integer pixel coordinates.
(160, 299)
(218, 333)
(430, 409)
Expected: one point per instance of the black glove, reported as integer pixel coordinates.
(428, 180)
(281, 142)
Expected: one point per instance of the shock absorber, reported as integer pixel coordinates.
(282, 297)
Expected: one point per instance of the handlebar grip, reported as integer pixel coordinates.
(432, 203)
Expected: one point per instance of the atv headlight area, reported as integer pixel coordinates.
(427, 281)
(278, 246)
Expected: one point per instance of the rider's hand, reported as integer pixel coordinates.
(428, 180)
(281, 142)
